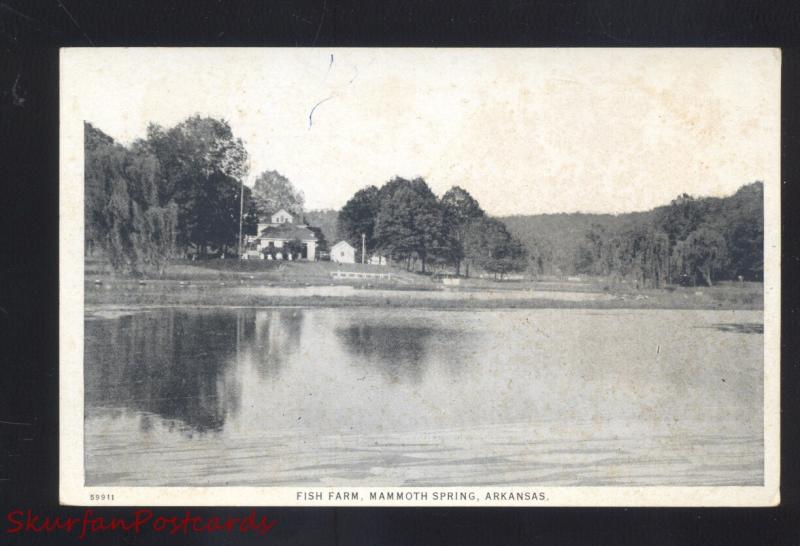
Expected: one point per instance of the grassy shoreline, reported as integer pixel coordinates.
(241, 283)
(211, 296)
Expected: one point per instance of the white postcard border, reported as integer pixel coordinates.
(71, 403)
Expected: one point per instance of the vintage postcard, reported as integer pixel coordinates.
(420, 277)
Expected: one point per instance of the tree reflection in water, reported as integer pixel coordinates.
(271, 336)
(398, 352)
(196, 397)
(169, 363)
(183, 366)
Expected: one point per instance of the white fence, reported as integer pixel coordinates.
(360, 275)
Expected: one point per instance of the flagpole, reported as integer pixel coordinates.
(241, 211)
(241, 206)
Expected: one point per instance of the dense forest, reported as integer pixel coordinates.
(691, 241)
(554, 239)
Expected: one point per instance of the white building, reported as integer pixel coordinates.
(282, 229)
(282, 217)
(343, 253)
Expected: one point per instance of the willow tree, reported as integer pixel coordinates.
(124, 214)
(705, 253)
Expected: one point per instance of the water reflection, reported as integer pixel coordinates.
(397, 352)
(268, 338)
(267, 396)
(187, 367)
(171, 364)
(182, 366)
(740, 328)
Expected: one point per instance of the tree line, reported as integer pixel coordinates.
(690, 241)
(405, 221)
(177, 191)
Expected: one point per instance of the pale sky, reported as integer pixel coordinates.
(524, 131)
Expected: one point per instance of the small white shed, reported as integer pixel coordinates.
(343, 253)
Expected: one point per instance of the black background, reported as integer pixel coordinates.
(31, 33)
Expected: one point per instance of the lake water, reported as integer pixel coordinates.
(364, 397)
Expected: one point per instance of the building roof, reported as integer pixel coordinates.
(287, 232)
(285, 213)
(343, 243)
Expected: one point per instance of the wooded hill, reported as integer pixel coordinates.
(557, 238)
(693, 239)
(325, 219)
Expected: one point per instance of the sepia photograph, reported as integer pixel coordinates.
(507, 277)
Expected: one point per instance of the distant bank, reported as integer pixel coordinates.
(524, 295)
